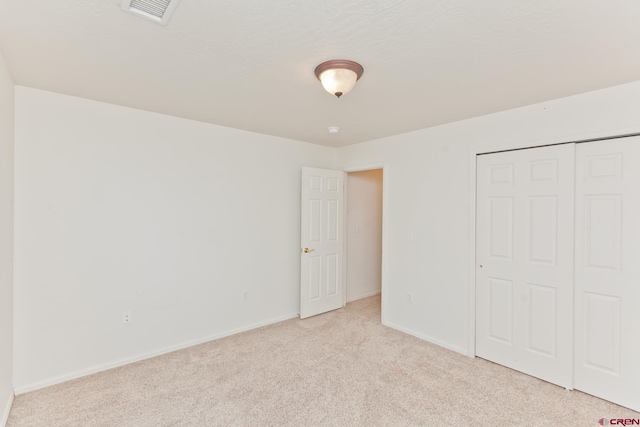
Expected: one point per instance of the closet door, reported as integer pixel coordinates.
(607, 281)
(524, 254)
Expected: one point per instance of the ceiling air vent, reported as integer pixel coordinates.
(155, 10)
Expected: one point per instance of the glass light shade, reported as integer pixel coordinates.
(338, 80)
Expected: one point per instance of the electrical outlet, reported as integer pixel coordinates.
(126, 317)
(245, 295)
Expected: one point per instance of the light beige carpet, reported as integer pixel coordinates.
(338, 369)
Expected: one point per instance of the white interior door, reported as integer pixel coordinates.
(607, 281)
(322, 241)
(524, 253)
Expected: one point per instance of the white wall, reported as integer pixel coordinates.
(429, 197)
(119, 209)
(364, 233)
(6, 238)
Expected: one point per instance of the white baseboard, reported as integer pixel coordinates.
(94, 370)
(7, 409)
(367, 295)
(427, 338)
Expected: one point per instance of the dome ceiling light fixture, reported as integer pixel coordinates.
(338, 76)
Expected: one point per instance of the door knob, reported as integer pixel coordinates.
(307, 250)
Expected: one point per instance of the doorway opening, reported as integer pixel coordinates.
(363, 234)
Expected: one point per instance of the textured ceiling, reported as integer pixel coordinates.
(249, 64)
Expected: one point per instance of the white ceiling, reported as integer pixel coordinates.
(249, 64)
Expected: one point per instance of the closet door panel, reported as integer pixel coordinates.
(524, 248)
(607, 273)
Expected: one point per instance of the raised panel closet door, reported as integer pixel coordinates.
(524, 250)
(607, 283)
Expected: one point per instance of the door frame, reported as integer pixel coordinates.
(487, 148)
(385, 240)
